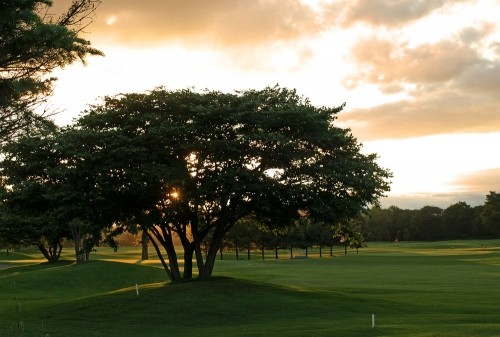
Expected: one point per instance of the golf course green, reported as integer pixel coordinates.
(405, 289)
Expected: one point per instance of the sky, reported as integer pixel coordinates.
(420, 78)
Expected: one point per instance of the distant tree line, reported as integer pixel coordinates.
(430, 223)
(459, 221)
(248, 236)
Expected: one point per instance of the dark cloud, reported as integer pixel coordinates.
(495, 47)
(482, 77)
(390, 13)
(471, 35)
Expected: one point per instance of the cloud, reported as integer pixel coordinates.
(471, 35)
(449, 86)
(390, 13)
(255, 35)
(482, 77)
(480, 181)
(218, 22)
(442, 200)
(384, 61)
(440, 112)
(471, 188)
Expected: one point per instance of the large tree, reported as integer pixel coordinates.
(457, 221)
(186, 164)
(490, 215)
(49, 194)
(26, 207)
(34, 42)
(426, 224)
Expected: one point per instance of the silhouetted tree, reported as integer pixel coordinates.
(184, 164)
(32, 44)
(490, 214)
(426, 224)
(457, 221)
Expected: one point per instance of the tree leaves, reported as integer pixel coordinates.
(267, 154)
(31, 47)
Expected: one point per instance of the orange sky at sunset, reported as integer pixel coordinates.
(421, 79)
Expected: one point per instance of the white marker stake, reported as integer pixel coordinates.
(373, 321)
(137, 289)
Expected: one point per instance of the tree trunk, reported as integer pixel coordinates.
(320, 252)
(307, 252)
(162, 260)
(55, 249)
(276, 252)
(165, 239)
(197, 241)
(79, 253)
(331, 250)
(188, 263)
(262, 250)
(45, 252)
(291, 252)
(205, 269)
(237, 256)
(172, 256)
(144, 244)
(60, 250)
(345, 249)
(76, 231)
(248, 252)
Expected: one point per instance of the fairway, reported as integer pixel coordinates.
(414, 289)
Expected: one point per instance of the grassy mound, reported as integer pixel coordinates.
(444, 289)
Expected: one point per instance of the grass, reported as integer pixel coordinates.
(414, 289)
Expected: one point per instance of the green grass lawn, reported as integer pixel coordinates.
(414, 289)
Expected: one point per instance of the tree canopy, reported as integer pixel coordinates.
(191, 165)
(185, 163)
(47, 195)
(491, 214)
(33, 43)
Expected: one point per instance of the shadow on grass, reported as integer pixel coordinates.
(220, 306)
(412, 295)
